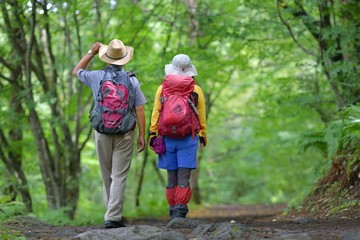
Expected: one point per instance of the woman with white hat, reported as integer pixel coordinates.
(181, 142)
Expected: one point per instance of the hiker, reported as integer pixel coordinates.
(114, 136)
(178, 124)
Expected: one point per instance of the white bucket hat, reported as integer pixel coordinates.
(116, 53)
(181, 65)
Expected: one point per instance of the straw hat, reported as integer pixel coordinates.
(116, 53)
(181, 65)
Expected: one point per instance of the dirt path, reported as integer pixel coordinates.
(264, 220)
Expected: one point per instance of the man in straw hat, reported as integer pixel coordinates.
(114, 151)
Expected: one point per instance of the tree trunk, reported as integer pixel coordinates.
(60, 164)
(13, 162)
(15, 136)
(11, 146)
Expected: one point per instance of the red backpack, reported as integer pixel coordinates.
(178, 114)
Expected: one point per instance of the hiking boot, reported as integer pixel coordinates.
(171, 212)
(180, 211)
(114, 224)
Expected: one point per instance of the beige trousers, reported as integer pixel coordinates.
(115, 155)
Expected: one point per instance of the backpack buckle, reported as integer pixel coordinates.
(173, 129)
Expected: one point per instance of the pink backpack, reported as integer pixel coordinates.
(114, 107)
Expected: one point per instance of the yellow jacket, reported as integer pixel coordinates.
(200, 107)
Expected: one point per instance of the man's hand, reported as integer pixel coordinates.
(140, 144)
(86, 58)
(140, 115)
(95, 48)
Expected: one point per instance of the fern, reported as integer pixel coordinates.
(338, 135)
(351, 126)
(312, 139)
(333, 136)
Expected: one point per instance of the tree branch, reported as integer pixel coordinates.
(278, 4)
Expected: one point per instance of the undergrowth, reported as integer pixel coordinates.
(7, 211)
(339, 189)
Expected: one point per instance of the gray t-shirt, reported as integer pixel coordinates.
(93, 78)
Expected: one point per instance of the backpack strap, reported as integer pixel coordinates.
(130, 74)
(97, 96)
(191, 102)
(196, 98)
(111, 69)
(194, 115)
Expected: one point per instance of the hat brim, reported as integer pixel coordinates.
(122, 61)
(172, 70)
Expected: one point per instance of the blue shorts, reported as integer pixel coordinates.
(180, 153)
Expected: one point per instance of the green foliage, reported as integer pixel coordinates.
(9, 209)
(313, 139)
(152, 199)
(327, 141)
(57, 217)
(345, 206)
(332, 137)
(266, 98)
(336, 136)
(6, 234)
(333, 198)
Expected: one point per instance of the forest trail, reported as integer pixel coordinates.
(244, 211)
(264, 221)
